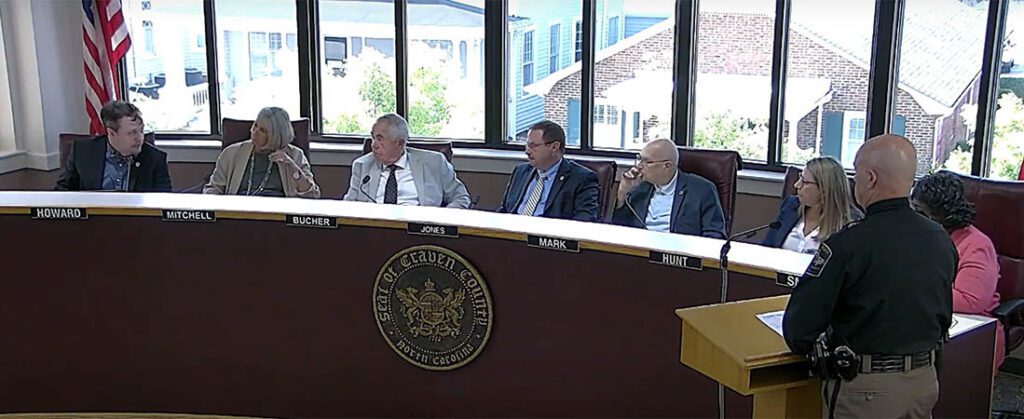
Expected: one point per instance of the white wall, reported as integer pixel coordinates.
(43, 48)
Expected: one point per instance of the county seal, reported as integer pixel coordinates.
(432, 307)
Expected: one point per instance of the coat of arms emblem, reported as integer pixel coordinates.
(432, 307)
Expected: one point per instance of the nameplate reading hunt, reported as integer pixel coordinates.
(59, 214)
(786, 280)
(678, 261)
(311, 221)
(194, 216)
(553, 243)
(433, 230)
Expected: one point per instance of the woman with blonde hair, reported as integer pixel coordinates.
(266, 164)
(822, 206)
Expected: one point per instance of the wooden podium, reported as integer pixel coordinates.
(728, 343)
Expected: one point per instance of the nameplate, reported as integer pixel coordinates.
(311, 221)
(436, 230)
(553, 243)
(194, 216)
(59, 214)
(786, 280)
(677, 261)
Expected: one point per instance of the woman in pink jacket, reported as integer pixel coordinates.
(941, 197)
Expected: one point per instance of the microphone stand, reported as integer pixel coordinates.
(723, 258)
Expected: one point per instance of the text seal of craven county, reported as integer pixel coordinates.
(432, 307)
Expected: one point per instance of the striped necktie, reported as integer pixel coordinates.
(534, 198)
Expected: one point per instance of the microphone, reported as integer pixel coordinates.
(750, 233)
(366, 179)
(643, 224)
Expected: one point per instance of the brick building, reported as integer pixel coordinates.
(827, 79)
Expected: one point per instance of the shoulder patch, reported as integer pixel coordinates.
(820, 260)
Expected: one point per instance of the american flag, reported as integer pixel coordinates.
(105, 39)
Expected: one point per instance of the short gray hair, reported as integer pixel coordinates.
(397, 127)
(278, 125)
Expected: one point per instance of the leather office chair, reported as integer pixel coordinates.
(605, 170)
(236, 130)
(443, 147)
(720, 167)
(68, 139)
(999, 209)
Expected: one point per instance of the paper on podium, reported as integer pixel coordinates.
(962, 323)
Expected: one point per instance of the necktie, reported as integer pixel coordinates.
(534, 198)
(391, 188)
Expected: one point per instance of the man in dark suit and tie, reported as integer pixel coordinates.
(550, 185)
(656, 195)
(118, 161)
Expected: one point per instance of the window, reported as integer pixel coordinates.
(733, 87)
(826, 79)
(171, 89)
(539, 92)
(528, 58)
(579, 40)
(1008, 134)
(635, 78)
(147, 36)
(853, 136)
(940, 62)
(554, 44)
(357, 69)
(446, 91)
(613, 30)
(255, 71)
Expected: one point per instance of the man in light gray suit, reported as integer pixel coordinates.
(395, 174)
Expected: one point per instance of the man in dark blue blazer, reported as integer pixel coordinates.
(656, 195)
(118, 161)
(550, 185)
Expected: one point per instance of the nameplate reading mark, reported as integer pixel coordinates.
(786, 280)
(553, 243)
(433, 230)
(678, 261)
(59, 214)
(194, 216)
(312, 221)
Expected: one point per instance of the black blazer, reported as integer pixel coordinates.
(696, 210)
(84, 168)
(573, 195)
(789, 215)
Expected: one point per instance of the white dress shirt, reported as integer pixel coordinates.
(798, 242)
(407, 194)
(659, 212)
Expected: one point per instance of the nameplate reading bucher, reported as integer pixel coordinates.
(59, 214)
(433, 230)
(311, 221)
(553, 243)
(195, 216)
(678, 261)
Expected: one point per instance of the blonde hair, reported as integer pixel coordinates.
(278, 125)
(837, 209)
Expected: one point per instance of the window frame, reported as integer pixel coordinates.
(528, 52)
(882, 74)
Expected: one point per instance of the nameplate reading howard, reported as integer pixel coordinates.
(432, 307)
(59, 213)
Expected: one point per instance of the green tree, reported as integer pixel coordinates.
(429, 110)
(1007, 139)
(722, 131)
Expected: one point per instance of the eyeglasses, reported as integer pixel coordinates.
(532, 146)
(803, 181)
(640, 161)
